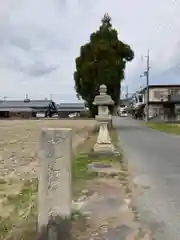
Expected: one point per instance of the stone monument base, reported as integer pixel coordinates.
(104, 148)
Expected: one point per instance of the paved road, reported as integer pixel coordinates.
(155, 158)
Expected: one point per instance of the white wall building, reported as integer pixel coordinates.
(164, 101)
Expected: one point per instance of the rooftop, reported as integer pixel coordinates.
(160, 86)
(78, 104)
(25, 103)
(16, 109)
(71, 107)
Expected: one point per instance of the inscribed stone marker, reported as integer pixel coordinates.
(54, 193)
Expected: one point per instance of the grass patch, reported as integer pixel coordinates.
(88, 145)
(20, 203)
(80, 168)
(21, 199)
(81, 161)
(165, 127)
(80, 174)
(2, 181)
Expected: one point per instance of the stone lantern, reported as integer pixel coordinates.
(102, 101)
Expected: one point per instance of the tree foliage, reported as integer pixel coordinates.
(102, 61)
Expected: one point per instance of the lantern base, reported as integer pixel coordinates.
(104, 148)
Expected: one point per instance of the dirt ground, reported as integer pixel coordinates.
(19, 140)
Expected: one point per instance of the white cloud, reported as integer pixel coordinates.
(39, 41)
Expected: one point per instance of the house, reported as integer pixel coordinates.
(27, 108)
(163, 104)
(65, 109)
(124, 104)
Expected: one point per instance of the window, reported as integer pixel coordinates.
(160, 94)
(157, 94)
(175, 92)
(140, 98)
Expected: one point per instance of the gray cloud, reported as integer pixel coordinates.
(39, 69)
(20, 43)
(40, 39)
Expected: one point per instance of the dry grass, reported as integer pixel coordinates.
(19, 141)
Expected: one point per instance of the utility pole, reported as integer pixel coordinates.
(146, 74)
(147, 85)
(127, 93)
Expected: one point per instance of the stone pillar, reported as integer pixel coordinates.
(54, 190)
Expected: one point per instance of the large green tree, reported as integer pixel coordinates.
(102, 61)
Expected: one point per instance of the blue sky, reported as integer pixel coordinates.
(39, 40)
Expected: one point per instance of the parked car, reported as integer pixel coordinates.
(123, 114)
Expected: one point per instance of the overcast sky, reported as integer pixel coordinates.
(39, 40)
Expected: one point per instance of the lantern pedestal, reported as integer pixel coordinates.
(103, 143)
